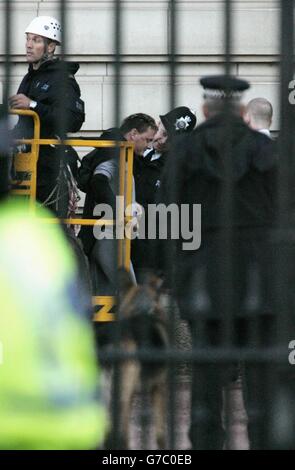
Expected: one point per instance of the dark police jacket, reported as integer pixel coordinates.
(197, 175)
(44, 86)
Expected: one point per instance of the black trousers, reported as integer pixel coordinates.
(208, 379)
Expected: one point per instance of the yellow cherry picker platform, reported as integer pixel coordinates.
(25, 164)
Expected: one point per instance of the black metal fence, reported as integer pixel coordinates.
(273, 375)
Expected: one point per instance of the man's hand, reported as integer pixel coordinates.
(19, 101)
(137, 210)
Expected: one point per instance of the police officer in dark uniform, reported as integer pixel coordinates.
(224, 153)
(47, 84)
(148, 176)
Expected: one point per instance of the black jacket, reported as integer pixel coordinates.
(197, 175)
(44, 86)
(96, 187)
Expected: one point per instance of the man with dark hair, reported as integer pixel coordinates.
(50, 380)
(47, 86)
(98, 178)
(223, 154)
(148, 175)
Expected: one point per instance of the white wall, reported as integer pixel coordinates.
(145, 75)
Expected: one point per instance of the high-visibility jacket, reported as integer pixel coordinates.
(49, 378)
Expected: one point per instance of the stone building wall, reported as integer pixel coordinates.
(145, 45)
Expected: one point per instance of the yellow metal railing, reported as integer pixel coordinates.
(26, 164)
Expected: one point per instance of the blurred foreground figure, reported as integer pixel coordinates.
(49, 394)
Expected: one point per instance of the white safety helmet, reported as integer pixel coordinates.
(46, 26)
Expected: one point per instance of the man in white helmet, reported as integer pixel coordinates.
(50, 89)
